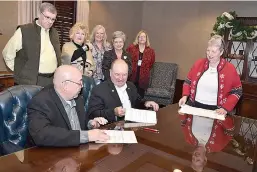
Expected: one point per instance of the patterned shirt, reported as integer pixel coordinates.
(98, 58)
(70, 108)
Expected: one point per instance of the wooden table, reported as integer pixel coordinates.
(6, 80)
(164, 151)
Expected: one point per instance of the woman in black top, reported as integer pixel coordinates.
(118, 52)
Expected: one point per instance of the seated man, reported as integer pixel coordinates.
(111, 98)
(57, 115)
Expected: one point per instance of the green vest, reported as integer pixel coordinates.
(26, 63)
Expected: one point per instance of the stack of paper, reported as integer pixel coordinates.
(143, 116)
(120, 137)
(201, 112)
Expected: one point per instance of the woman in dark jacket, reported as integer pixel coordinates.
(118, 40)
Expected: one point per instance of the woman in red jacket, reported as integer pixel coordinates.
(212, 83)
(143, 58)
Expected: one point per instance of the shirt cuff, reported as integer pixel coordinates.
(84, 137)
(89, 124)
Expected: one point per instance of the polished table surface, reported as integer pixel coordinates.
(163, 151)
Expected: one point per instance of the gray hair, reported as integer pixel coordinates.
(217, 40)
(47, 6)
(119, 34)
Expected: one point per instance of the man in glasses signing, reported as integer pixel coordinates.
(57, 117)
(33, 52)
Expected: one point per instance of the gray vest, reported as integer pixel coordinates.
(26, 64)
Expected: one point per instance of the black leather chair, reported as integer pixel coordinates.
(13, 117)
(13, 114)
(88, 84)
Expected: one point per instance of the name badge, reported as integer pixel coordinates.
(139, 62)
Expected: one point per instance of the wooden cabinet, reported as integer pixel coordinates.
(6, 80)
(247, 106)
(243, 54)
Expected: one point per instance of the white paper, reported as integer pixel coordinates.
(201, 112)
(132, 125)
(137, 115)
(120, 136)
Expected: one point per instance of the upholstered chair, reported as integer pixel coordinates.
(13, 117)
(162, 83)
(13, 114)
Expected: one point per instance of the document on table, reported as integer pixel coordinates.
(136, 124)
(200, 112)
(137, 115)
(120, 136)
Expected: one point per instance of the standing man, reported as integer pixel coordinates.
(33, 52)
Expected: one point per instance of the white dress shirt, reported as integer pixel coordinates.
(123, 95)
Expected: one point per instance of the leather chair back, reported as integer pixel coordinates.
(13, 114)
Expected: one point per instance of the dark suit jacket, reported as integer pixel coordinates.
(104, 98)
(49, 124)
(109, 57)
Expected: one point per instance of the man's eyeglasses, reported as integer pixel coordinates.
(49, 18)
(78, 83)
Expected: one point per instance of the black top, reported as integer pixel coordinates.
(109, 57)
(138, 68)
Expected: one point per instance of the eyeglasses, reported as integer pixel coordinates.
(49, 18)
(79, 84)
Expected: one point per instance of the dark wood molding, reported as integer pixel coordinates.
(178, 90)
(6, 80)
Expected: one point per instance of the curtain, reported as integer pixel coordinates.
(27, 11)
(83, 11)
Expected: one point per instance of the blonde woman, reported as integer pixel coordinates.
(100, 45)
(118, 52)
(77, 51)
(143, 58)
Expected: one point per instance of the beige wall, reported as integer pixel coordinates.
(114, 15)
(179, 31)
(8, 24)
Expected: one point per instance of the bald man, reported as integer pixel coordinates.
(57, 115)
(111, 98)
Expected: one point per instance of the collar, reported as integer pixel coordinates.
(123, 88)
(65, 103)
(220, 65)
(37, 23)
(77, 45)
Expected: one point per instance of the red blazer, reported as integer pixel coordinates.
(229, 84)
(147, 64)
(222, 132)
